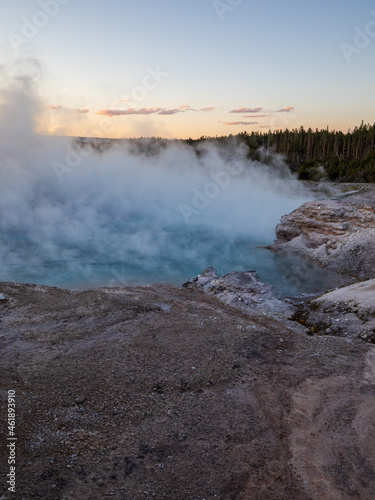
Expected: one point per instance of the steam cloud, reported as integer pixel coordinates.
(142, 211)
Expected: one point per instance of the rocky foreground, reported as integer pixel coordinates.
(201, 392)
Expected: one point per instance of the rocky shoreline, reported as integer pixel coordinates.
(214, 390)
(338, 234)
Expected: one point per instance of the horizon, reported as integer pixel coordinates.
(203, 137)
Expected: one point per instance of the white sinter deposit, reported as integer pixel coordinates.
(338, 234)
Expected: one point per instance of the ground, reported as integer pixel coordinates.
(163, 392)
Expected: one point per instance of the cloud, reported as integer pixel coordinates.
(258, 110)
(255, 116)
(121, 215)
(183, 109)
(130, 111)
(80, 111)
(240, 123)
(201, 110)
(285, 110)
(151, 111)
(62, 108)
(246, 110)
(169, 111)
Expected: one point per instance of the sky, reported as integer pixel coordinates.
(187, 68)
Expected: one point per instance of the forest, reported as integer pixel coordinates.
(314, 154)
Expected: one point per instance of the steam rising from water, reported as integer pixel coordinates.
(73, 215)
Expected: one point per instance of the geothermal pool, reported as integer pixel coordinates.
(75, 218)
(187, 256)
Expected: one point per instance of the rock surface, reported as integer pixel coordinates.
(338, 233)
(167, 393)
(345, 312)
(242, 290)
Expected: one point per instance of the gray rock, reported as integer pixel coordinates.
(347, 311)
(242, 290)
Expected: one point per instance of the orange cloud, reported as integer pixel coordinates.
(255, 116)
(240, 123)
(182, 109)
(169, 111)
(150, 111)
(60, 107)
(246, 110)
(80, 111)
(285, 110)
(130, 111)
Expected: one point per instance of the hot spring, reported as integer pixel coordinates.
(140, 212)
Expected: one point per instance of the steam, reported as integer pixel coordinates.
(143, 211)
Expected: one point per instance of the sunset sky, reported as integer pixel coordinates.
(178, 68)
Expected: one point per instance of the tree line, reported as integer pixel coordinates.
(345, 157)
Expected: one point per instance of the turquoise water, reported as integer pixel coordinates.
(176, 257)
